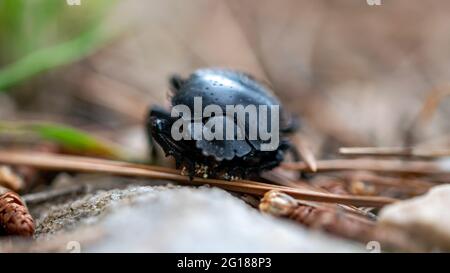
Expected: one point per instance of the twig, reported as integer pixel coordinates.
(10, 180)
(70, 163)
(395, 166)
(433, 100)
(394, 151)
(388, 181)
(306, 152)
(276, 177)
(334, 221)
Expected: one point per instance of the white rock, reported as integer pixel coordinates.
(204, 220)
(171, 219)
(426, 218)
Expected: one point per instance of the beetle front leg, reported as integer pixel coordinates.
(155, 116)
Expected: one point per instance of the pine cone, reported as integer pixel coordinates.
(14, 216)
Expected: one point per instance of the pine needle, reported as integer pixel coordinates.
(376, 165)
(93, 165)
(394, 151)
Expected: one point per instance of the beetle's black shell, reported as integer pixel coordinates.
(220, 158)
(225, 87)
(222, 87)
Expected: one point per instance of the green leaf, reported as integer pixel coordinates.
(67, 137)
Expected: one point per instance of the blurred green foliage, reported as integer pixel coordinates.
(36, 35)
(69, 138)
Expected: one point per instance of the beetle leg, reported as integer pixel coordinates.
(156, 113)
(158, 126)
(176, 82)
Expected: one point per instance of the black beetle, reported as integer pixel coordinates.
(228, 159)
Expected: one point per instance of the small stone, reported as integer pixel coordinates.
(425, 218)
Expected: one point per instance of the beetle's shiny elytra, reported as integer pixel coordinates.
(219, 158)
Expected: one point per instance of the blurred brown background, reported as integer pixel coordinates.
(356, 74)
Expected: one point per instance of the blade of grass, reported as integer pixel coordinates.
(46, 58)
(69, 138)
(80, 164)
